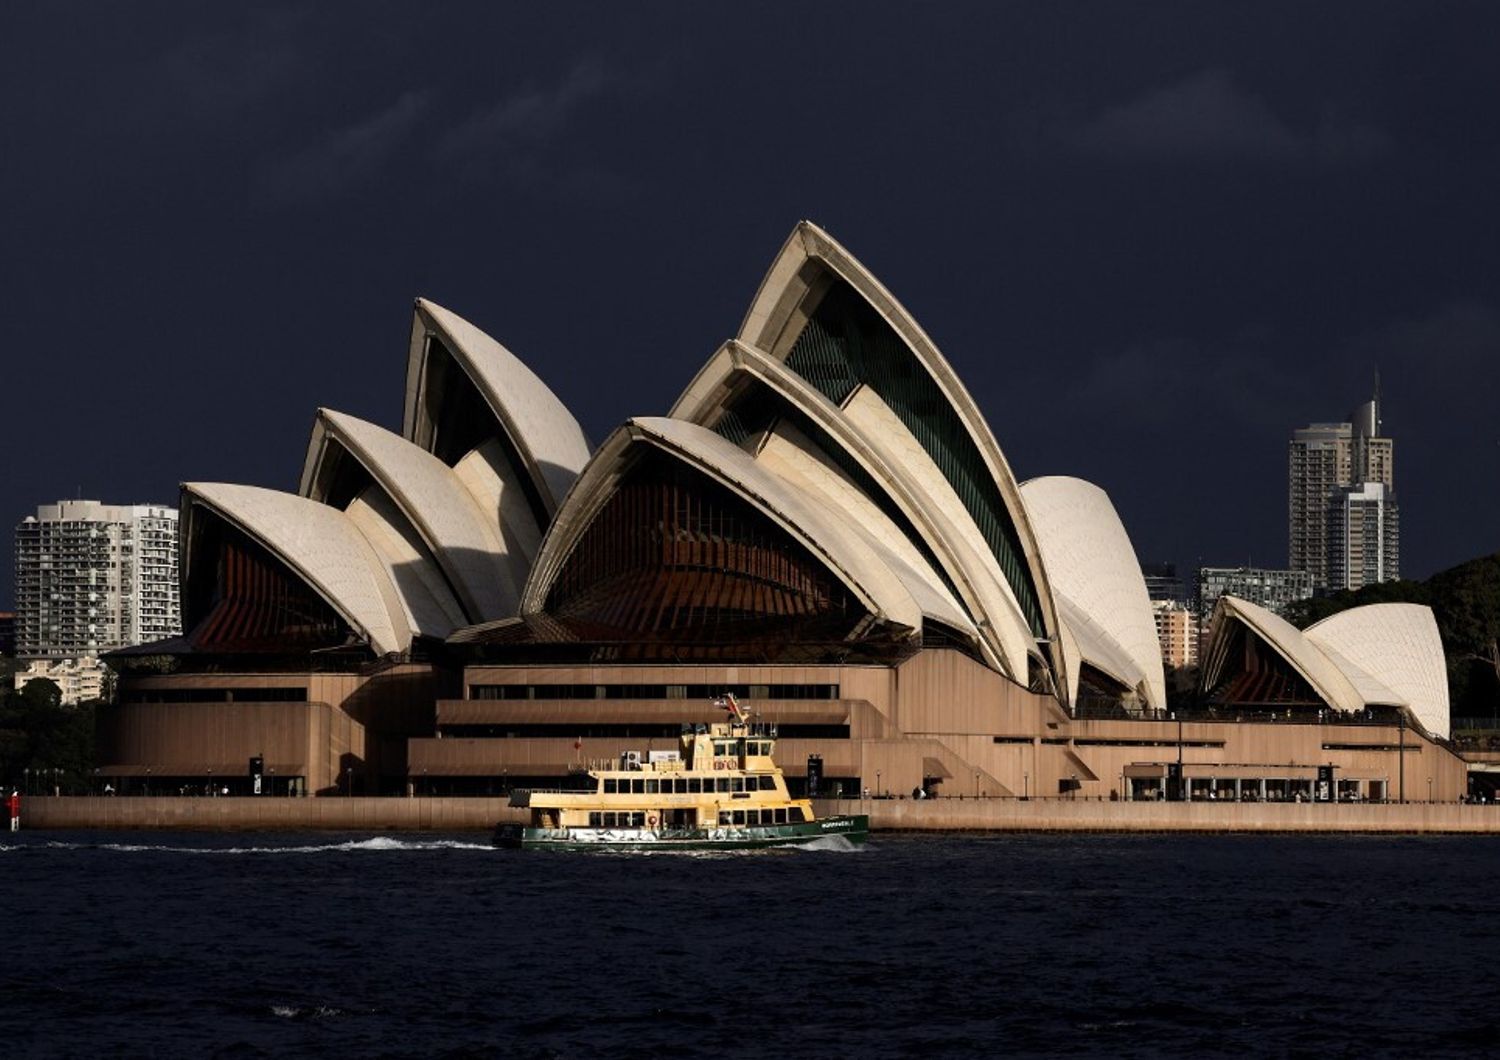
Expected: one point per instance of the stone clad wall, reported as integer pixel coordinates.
(268, 814)
(1088, 815)
(935, 815)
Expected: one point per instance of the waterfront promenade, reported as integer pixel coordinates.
(456, 814)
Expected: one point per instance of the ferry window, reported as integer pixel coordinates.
(638, 820)
(752, 817)
(738, 784)
(651, 787)
(609, 820)
(721, 783)
(723, 816)
(680, 785)
(768, 783)
(638, 787)
(695, 785)
(739, 816)
(781, 815)
(611, 786)
(596, 820)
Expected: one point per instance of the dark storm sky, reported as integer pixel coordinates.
(1151, 238)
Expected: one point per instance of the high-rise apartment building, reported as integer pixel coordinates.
(1342, 517)
(1163, 582)
(1320, 463)
(1177, 629)
(1364, 537)
(92, 576)
(1275, 590)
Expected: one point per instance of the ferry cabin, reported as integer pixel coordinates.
(720, 779)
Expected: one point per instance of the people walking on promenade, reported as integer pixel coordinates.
(13, 807)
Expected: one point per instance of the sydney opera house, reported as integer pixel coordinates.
(824, 523)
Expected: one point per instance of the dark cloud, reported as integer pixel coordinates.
(349, 155)
(523, 117)
(1222, 218)
(1208, 117)
(216, 74)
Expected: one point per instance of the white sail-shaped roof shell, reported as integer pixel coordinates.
(1090, 561)
(1334, 686)
(544, 435)
(776, 318)
(465, 542)
(323, 547)
(1397, 646)
(850, 556)
(427, 600)
(902, 470)
(791, 456)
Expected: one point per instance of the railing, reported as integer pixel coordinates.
(1287, 800)
(1240, 715)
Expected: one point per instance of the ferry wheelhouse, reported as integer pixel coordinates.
(720, 789)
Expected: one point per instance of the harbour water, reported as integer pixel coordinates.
(259, 944)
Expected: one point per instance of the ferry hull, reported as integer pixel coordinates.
(854, 828)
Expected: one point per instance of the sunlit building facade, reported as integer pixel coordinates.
(823, 523)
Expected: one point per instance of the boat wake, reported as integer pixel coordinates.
(831, 844)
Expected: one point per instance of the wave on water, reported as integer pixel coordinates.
(835, 844)
(309, 1012)
(831, 844)
(377, 844)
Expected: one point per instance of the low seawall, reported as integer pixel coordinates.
(448, 814)
(1064, 815)
(439, 814)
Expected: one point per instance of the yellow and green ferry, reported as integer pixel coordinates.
(721, 790)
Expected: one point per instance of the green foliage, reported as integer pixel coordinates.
(37, 733)
(1465, 600)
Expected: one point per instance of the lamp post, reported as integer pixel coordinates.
(1401, 754)
(976, 784)
(1429, 789)
(26, 774)
(877, 783)
(348, 782)
(148, 781)
(1025, 787)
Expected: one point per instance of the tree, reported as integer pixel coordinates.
(38, 733)
(41, 694)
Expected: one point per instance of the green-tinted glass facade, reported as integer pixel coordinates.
(847, 344)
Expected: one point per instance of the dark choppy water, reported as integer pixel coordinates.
(179, 945)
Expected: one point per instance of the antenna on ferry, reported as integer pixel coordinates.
(728, 703)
